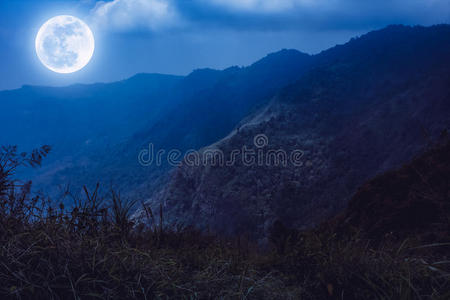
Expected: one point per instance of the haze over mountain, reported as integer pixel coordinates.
(364, 108)
(354, 111)
(98, 130)
(225, 149)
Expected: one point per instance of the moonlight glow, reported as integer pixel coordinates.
(65, 44)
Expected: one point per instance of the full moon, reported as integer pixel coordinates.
(65, 44)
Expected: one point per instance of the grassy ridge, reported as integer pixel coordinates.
(94, 250)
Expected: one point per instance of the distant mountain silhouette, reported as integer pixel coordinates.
(98, 130)
(71, 117)
(363, 108)
(355, 111)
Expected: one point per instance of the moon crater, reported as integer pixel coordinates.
(65, 44)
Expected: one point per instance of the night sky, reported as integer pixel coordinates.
(175, 37)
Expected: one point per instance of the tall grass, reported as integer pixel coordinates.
(95, 250)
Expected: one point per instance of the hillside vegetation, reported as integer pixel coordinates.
(365, 107)
(94, 250)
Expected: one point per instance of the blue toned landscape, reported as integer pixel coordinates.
(257, 171)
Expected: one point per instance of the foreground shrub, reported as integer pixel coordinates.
(95, 250)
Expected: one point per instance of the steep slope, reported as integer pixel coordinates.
(413, 201)
(83, 123)
(98, 130)
(198, 120)
(223, 104)
(366, 107)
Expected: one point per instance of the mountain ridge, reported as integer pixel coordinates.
(354, 115)
(123, 116)
(299, 101)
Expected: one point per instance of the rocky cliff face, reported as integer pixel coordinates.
(365, 107)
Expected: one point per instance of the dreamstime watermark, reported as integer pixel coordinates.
(259, 155)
